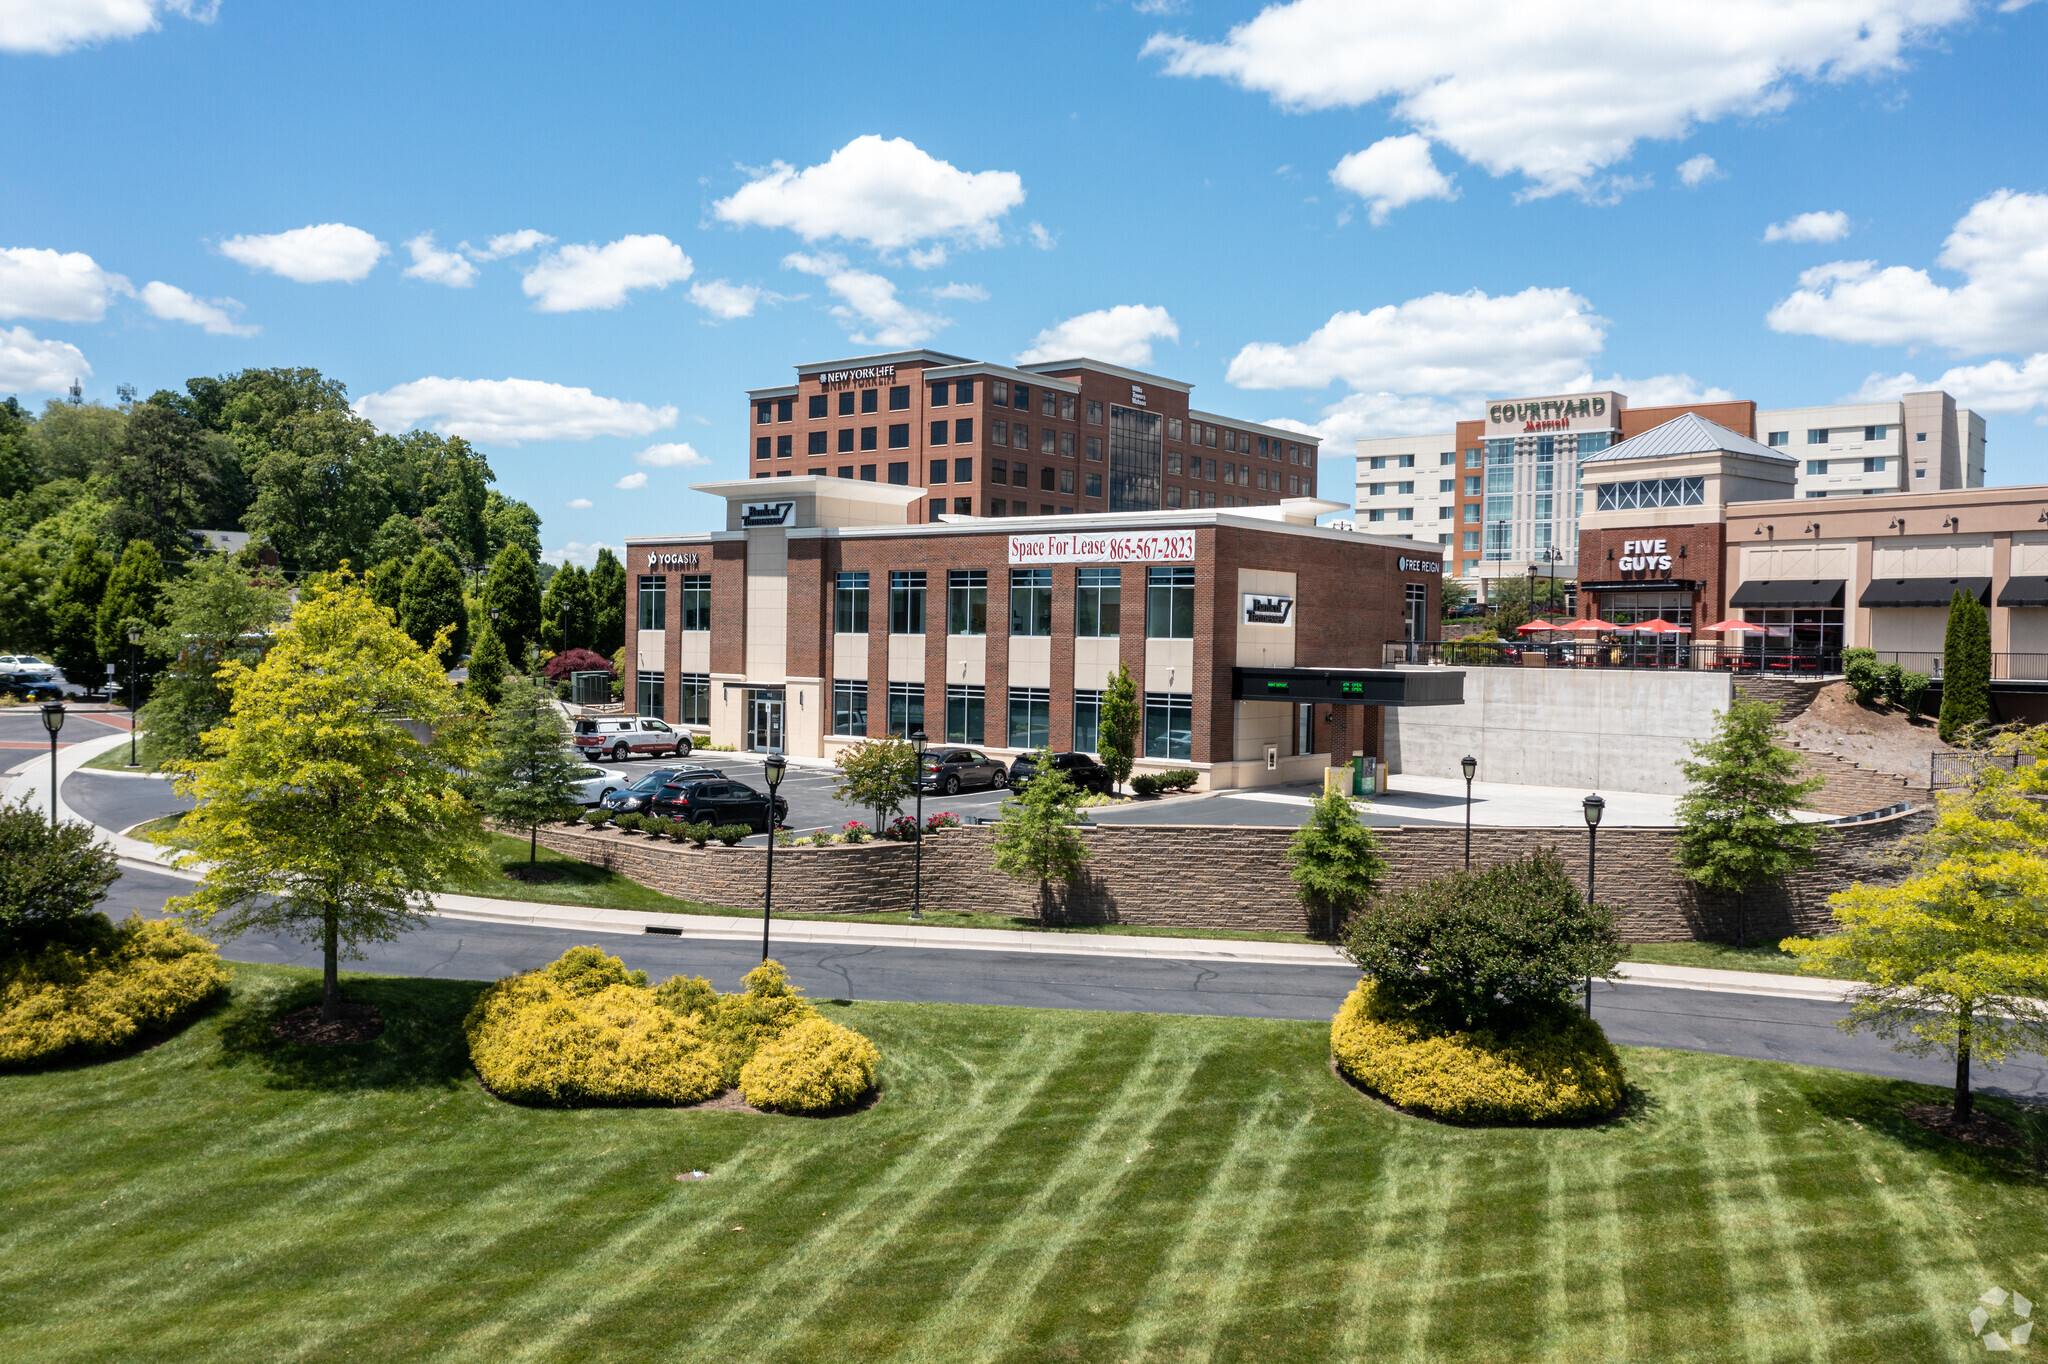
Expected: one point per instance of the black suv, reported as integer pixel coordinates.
(1080, 769)
(719, 801)
(31, 686)
(951, 770)
(633, 800)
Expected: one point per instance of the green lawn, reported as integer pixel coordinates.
(116, 760)
(1031, 1186)
(1717, 955)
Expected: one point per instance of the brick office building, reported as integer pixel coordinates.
(1057, 439)
(825, 612)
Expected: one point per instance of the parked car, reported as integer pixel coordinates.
(30, 686)
(949, 771)
(28, 663)
(633, 799)
(629, 735)
(721, 801)
(593, 784)
(1080, 769)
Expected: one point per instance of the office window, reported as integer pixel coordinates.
(1049, 441)
(1098, 602)
(1020, 437)
(850, 603)
(1066, 407)
(1030, 717)
(963, 431)
(1173, 463)
(1093, 486)
(906, 708)
(870, 399)
(1262, 447)
(815, 443)
(867, 435)
(1169, 725)
(764, 413)
(963, 471)
(1030, 601)
(1095, 449)
(1875, 464)
(1817, 435)
(1875, 432)
(1172, 427)
(1208, 499)
(1087, 721)
(785, 446)
(963, 506)
(1651, 492)
(941, 393)
(653, 601)
(939, 429)
(1020, 397)
(1095, 414)
(818, 403)
(1067, 482)
(999, 392)
(696, 603)
(846, 403)
(785, 409)
(846, 471)
(850, 708)
(1048, 403)
(998, 433)
(815, 473)
(867, 473)
(999, 507)
(1816, 466)
(900, 473)
(846, 440)
(899, 436)
(906, 601)
(938, 471)
(647, 694)
(762, 447)
(999, 471)
(1046, 477)
(1067, 444)
(1209, 470)
(1020, 475)
(963, 390)
(965, 707)
(899, 398)
(967, 601)
(694, 702)
(1170, 601)
(1173, 496)
(1772, 438)
(1230, 474)
(1472, 541)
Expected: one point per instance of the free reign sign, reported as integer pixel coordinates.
(1085, 547)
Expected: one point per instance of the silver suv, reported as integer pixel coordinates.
(628, 735)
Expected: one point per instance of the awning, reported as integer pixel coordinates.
(1350, 686)
(1922, 591)
(2029, 591)
(1824, 592)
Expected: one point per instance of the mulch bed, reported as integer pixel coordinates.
(1980, 1130)
(358, 1023)
(533, 875)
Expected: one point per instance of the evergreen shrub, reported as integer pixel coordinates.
(1146, 784)
(731, 834)
(630, 823)
(596, 818)
(1177, 779)
(700, 834)
(815, 1066)
(1865, 677)
(102, 988)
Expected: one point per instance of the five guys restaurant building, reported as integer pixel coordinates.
(829, 609)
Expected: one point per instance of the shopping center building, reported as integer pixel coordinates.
(830, 609)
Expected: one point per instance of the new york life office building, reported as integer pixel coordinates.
(828, 609)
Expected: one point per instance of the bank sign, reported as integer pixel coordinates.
(1574, 412)
(1261, 609)
(1091, 547)
(765, 514)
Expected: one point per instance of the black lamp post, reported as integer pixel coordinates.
(1594, 808)
(773, 769)
(1471, 766)
(53, 720)
(918, 739)
(134, 638)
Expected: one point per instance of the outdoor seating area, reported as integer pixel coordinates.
(1736, 646)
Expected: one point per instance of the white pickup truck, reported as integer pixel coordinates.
(628, 736)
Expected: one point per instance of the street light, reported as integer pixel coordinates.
(918, 738)
(134, 638)
(53, 720)
(772, 769)
(1471, 766)
(1594, 808)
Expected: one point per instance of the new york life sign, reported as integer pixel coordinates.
(1096, 547)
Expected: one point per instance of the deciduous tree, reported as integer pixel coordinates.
(50, 883)
(877, 774)
(217, 612)
(74, 611)
(130, 601)
(430, 605)
(527, 774)
(565, 611)
(1117, 738)
(1335, 862)
(1035, 838)
(607, 604)
(1736, 830)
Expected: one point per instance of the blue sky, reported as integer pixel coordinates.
(1330, 214)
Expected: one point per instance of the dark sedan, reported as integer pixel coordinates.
(949, 771)
(31, 686)
(633, 799)
(717, 802)
(1079, 768)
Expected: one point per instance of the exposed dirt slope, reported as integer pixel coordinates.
(1871, 736)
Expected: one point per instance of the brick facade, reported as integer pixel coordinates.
(1696, 554)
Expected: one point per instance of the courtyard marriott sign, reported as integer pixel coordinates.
(1091, 547)
(1573, 412)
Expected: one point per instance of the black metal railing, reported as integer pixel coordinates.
(2005, 667)
(1677, 654)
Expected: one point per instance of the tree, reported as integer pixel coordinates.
(1735, 825)
(487, 667)
(74, 611)
(398, 538)
(577, 661)
(877, 774)
(1954, 958)
(386, 584)
(1117, 740)
(217, 612)
(607, 604)
(319, 813)
(160, 469)
(1455, 593)
(1335, 863)
(50, 883)
(1035, 838)
(567, 599)
(510, 523)
(527, 772)
(78, 441)
(1965, 669)
(514, 588)
(430, 605)
(312, 463)
(130, 602)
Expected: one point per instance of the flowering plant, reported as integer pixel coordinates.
(945, 821)
(853, 831)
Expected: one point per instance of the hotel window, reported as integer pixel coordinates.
(1093, 486)
(1443, 539)
(999, 392)
(846, 440)
(867, 435)
(1030, 601)
(1473, 458)
(1049, 441)
(1652, 492)
(965, 708)
(1169, 725)
(906, 602)
(1499, 452)
(870, 399)
(1405, 514)
(899, 398)
(817, 406)
(815, 443)
(1546, 447)
(1471, 512)
(785, 409)
(1173, 496)
(1094, 412)
(1500, 508)
(1919, 435)
(899, 436)
(1472, 541)
(1020, 398)
(647, 694)
(846, 403)
(1497, 541)
(1500, 480)
(1591, 442)
(1816, 466)
(1472, 485)
(967, 601)
(696, 601)
(1030, 717)
(1098, 602)
(938, 471)
(1875, 432)
(1170, 602)
(850, 708)
(963, 471)
(1773, 438)
(1087, 721)
(1546, 476)
(1095, 448)
(764, 413)
(1375, 490)
(1447, 485)
(1172, 427)
(850, 604)
(761, 447)
(939, 429)
(1444, 513)
(1540, 509)
(963, 431)
(963, 390)
(942, 392)
(906, 708)
(1447, 458)
(694, 704)
(1817, 435)
(1408, 489)
(1067, 482)
(900, 473)
(999, 433)
(1874, 464)
(1375, 514)
(785, 446)
(653, 601)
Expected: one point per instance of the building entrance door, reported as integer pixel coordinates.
(764, 721)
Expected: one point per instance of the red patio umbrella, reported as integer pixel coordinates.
(1536, 625)
(1661, 626)
(1723, 626)
(1592, 623)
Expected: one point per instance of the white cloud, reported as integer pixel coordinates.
(67, 286)
(579, 504)
(512, 244)
(1040, 238)
(582, 555)
(1697, 170)
(50, 27)
(1535, 341)
(577, 278)
(1558, 93)
(172, 304)
(29, 364)
(1999, 387)
(1658, 390)
(869, 308)
(1999, 247)
(968, 293)
(885, 192)
(1361, 415)
(436, 266)
(1391, 172)
(1831, 226)
(509, 411)
(674, 455)
(320, 254)
(631, 481)
(725, 300)
(1121, 335)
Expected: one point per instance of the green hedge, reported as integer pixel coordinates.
(102, 992)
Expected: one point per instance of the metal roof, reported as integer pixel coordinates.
(1688, 434)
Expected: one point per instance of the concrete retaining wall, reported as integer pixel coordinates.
(1595, 729)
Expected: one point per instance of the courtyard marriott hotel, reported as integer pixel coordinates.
(829, 609)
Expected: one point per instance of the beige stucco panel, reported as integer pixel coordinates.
(728, 711)
(1909, 629)
(2029, 626)
(1932, 556)
(767, 604)
(693, 649)
(1259, 723)
(2030, 553)
(1170, 665)
(803, 716)
(1095, 662)
(1797, 562)
(966, 660)
(1264, 646)
(850, 657)
(652, 653)
(906, 659)
(1031, 661)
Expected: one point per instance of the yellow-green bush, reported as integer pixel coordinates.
(815, 1066)
(1557, 1067)
(738, 1024)
(96, 995)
